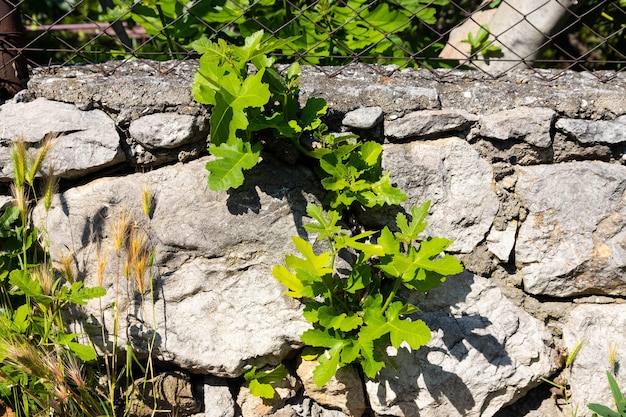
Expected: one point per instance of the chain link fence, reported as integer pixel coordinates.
(490, 36)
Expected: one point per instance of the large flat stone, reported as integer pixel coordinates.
(573, 240)
(485, 353)
(451, 174)
(532, 125)
(217, 306)
(428, 123)
(83, 141)
(593, 131)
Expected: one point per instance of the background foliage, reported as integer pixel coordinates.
(329, 32)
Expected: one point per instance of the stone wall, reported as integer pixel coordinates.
(526, 174)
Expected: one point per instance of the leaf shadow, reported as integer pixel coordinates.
(297, 184)
(459, 334)
(436, 379)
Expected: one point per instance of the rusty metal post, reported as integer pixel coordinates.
(13, 68)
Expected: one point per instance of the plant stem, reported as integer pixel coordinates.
(392, 295)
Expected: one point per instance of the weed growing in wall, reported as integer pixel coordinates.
(42, 363)
(355, 315)
(45, 369)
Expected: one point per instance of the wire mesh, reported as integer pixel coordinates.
(587, 35)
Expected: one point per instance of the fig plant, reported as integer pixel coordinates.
(355, 315)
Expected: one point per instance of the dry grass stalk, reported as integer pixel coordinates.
(36, 165)
(67, 267)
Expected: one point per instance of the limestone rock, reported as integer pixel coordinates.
(428, 123)
(218, 400)
(83, 141)
(501, 242)
(217, 306)
(169, 393)
(399, 98)
(568, 149)
(531, 125)
(457, 181)
(136, 87)
(167, 130)
(514, 152)
(600, 327)
(344, 391)
(573, 240)
(485, 353)
(363, 118)
(307, 408)
(593, 131)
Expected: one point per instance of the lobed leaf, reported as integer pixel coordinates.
(326, 225)
(327, 368)
(415, 333)
(228, 114)
(360, 277)
(370, 363)
(331, 318)
(227, 171)
(289, 280)
(427, 257)
(80, 295)
(320, 338)
(371, 153)
(410, 231)
(317, 264)
(24, 284)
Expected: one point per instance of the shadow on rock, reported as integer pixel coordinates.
(464, 364)
(297, 184)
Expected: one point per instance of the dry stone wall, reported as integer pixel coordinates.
(526, 175)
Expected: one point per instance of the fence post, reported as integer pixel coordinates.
(13, 68)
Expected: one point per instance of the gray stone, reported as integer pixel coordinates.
(531, 125)
(593, 131)
(485, 353)
(454, 177)
(363, 118)
(138, 86)
(216, 305)
(601, 330)
(167, 130)
(428, 123)
(309, 408)
(501, 242)
(573, 240)
(513, 152)
(83, 141)
(568, 149)
(399, 98)
(218, 400)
